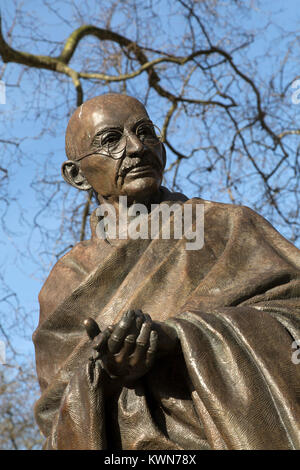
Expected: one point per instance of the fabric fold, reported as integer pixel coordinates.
(235, 304)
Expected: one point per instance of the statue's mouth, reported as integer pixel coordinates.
(138, 166)
(141, 169)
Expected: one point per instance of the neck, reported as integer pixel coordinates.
(124, 201)
(121, 205)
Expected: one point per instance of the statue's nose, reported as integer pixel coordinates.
(133, 144)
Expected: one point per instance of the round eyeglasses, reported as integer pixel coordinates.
(113, 142)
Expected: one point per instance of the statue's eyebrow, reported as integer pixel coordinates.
(118, 128)
(108, 128)
(101, 131)
(142, 121)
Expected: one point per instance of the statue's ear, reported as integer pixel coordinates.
(73, 175)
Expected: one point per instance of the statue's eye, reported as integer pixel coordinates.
(146, 131)
(110, 138)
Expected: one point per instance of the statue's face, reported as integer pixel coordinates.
(129, 162)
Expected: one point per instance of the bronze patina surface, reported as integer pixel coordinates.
(143, 344)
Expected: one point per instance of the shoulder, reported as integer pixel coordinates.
(65, 276)
(224, 210)
(218, 213)
(167, 195)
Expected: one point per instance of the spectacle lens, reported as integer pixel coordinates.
(113, 142)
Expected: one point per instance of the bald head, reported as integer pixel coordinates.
(96, 114)
(135, 169)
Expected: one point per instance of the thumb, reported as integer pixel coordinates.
(91, 328)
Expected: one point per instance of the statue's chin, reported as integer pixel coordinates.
(140, 186)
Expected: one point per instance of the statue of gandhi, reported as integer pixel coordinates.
(185, 349)
(112, 147)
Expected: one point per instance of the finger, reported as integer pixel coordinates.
(139, 320)
(144, 335)
(147, 318)
(151, 353)
(142, 343)
(91, 328)
(101, 340)
(129, 344)
(120, 331)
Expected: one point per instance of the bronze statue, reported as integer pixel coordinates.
(145, 344)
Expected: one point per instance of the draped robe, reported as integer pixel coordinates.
(235, 304)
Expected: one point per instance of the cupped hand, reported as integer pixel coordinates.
(128, 349)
